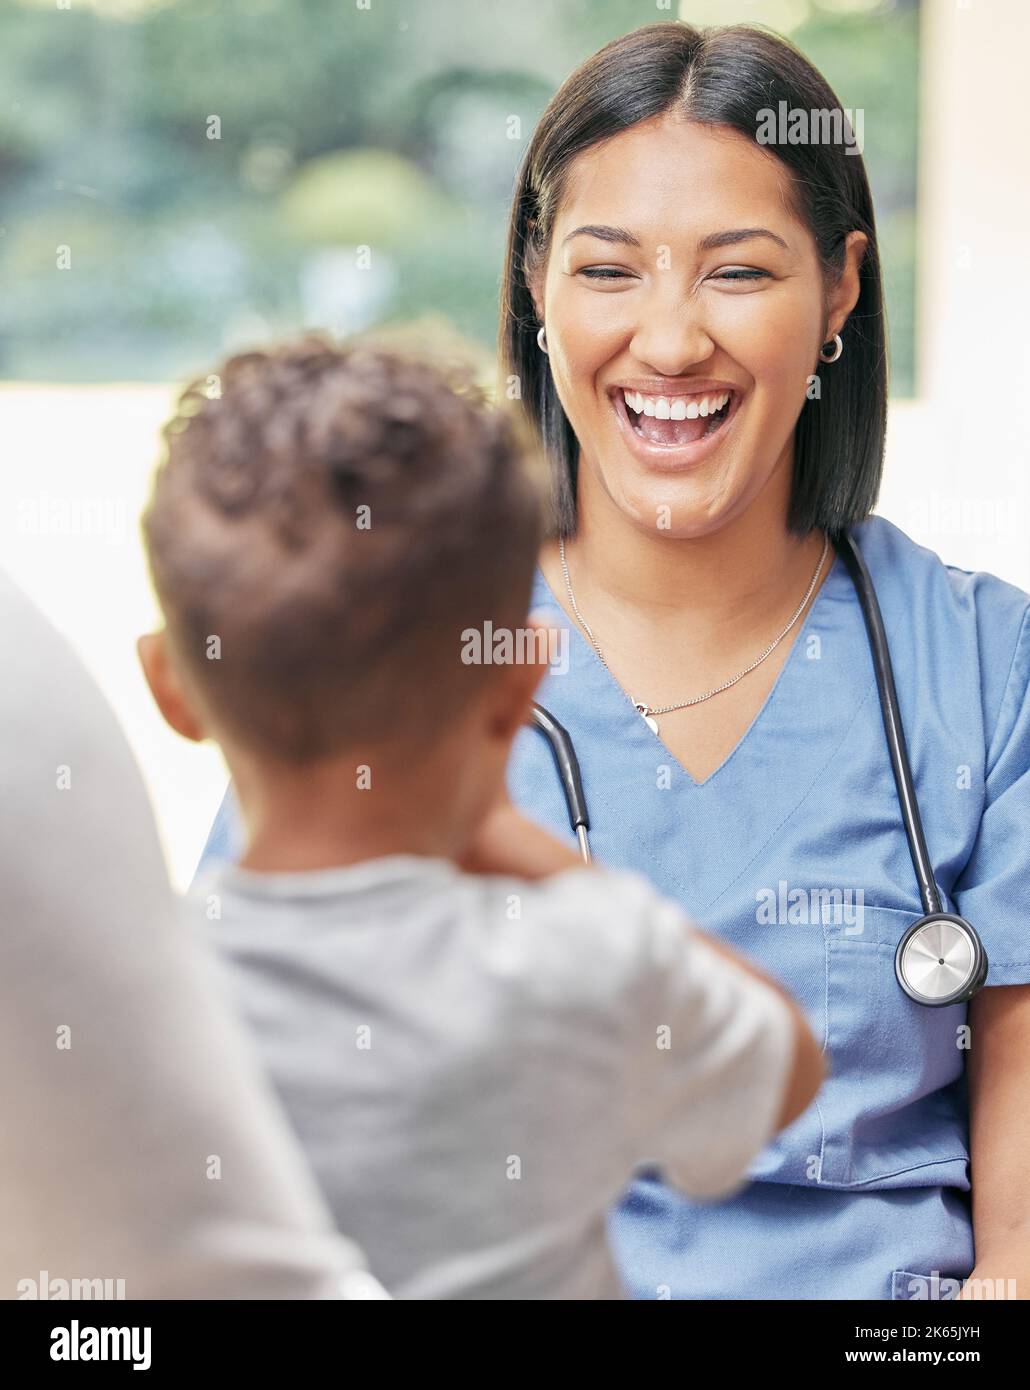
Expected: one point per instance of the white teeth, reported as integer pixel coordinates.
(675, 407)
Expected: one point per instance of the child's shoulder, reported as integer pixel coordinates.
(600, 932)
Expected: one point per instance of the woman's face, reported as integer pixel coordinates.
(685, 309)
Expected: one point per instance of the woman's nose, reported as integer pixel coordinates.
(671, 336)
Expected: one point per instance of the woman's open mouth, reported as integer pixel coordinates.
(676, 430)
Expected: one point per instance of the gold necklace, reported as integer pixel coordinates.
(648, 712)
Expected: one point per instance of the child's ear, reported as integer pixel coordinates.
(165, 686)
(516, 690)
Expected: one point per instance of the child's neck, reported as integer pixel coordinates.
(325, 816)
(274, 849)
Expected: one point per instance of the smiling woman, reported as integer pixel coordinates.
(684, 282)
(647, 209)
(694, 316)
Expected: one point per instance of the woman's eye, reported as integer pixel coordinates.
(741, 273)
(603, 272)
(730, 274)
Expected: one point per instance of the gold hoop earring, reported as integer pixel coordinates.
(541, 339)
(838, 348)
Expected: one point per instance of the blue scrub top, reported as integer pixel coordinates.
(793, 851)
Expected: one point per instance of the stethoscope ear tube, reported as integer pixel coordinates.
(567, 763)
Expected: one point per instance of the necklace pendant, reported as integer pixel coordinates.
(645, 713)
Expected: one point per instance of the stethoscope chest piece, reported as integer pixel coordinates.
(940, 960)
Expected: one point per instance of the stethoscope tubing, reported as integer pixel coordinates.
(929, 892)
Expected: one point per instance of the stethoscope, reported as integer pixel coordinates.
(940, 960)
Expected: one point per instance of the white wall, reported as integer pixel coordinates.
(75, 475)
(958, 475)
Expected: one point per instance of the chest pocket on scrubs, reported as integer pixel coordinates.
(894, 1101)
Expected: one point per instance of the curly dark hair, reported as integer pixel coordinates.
(326, 521)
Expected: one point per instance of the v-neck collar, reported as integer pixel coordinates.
(545, 597)
(699, 841)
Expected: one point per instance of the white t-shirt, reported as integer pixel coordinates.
(475, 1065)
(142, 1153)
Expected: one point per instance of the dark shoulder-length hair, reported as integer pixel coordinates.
(728, 77)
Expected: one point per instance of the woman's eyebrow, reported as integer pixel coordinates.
(717, 239)
(603, 233)
(708, 243)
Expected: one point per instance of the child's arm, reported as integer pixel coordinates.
(710, 1057)
(722, 1056)
(510, 843)
(808, 1071)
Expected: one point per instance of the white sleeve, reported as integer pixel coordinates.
(710, 1051)
(139, 1140)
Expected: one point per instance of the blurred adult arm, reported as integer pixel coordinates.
(140, 1140)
